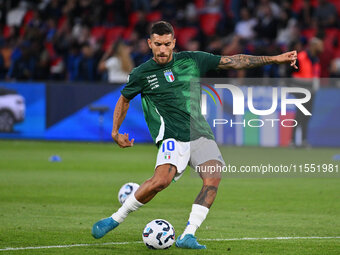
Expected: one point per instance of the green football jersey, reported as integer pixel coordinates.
(171, 95)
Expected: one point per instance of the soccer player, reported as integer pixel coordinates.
(176, 124)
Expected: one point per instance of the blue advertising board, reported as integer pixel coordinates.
(84, 112)
(74, 112)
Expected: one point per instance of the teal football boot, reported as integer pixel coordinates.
(102, 227)
(189, 242)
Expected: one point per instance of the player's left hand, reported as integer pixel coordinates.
(290, 57)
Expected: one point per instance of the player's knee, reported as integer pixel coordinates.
(212, 181)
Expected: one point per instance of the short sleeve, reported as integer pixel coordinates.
(133, 86)
(111, 62)
(206, 61)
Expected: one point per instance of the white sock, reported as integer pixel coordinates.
(131, 204)
(197, 216)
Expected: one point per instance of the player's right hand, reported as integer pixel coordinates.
(123, 140)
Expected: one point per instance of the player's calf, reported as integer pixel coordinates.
(160, 180)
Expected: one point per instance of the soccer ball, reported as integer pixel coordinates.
(158, 234)
(126, 190)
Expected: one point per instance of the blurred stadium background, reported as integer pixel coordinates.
(55, 54)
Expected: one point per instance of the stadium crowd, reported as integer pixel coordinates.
(102, 40)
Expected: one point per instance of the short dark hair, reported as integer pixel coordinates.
(162, 28)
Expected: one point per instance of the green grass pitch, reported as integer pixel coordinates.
(46, 203)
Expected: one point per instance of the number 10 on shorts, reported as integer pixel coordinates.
(167, 147)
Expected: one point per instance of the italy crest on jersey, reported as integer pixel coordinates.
(169, 76)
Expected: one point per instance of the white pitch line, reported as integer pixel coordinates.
(67, 246)
(136, 242)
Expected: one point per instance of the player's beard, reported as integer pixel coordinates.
(162, 59)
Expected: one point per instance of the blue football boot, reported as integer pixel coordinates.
(103, 226)
(189, 242)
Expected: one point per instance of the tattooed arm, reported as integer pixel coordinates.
(242, 61)
(118, 116)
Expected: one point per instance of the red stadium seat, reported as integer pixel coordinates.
(297, 4)
(50, 49)
(209, 23)
(154, 16)
(199, 4)
(308, 33)
(127, 33)
(98, 32)
(133, 19)
(22, 30)
(28, 17)
(227, 8)
(6, 32)
(176, 31)
(337, 53)
(336, 4)
(331, 34)
(184, 35)
(112, 35)
(61, 21)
